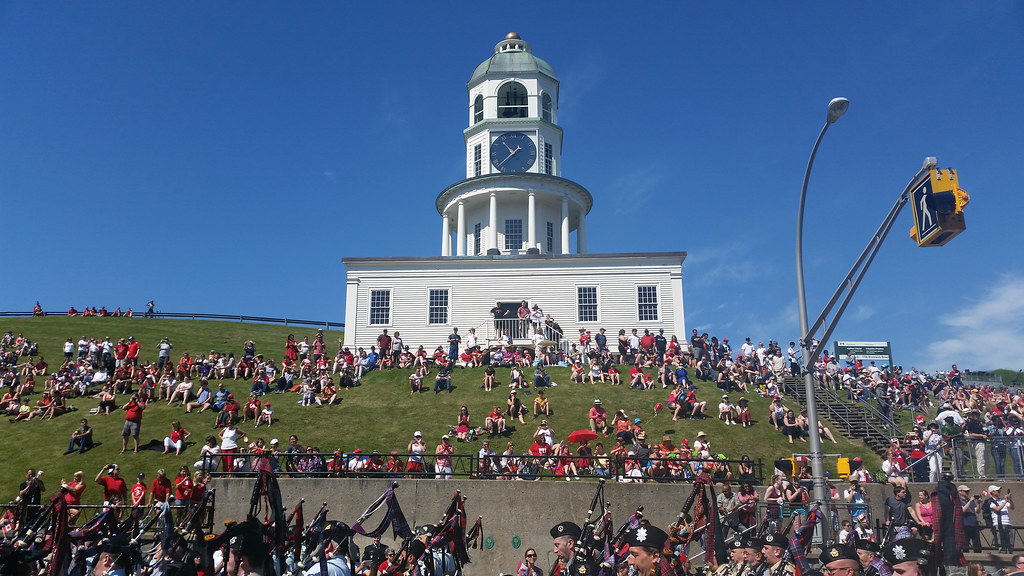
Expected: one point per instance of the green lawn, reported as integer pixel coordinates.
(381, 414)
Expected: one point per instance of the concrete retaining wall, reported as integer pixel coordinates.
(509, 508)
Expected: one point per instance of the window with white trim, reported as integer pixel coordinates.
(380, 307)
(550, 240)
(546, 107)
(437, 306)
(586, 303)
(476, 238)
(514, 234)
(477, 159)
(647, 303)
(478, 109)
(549, 164)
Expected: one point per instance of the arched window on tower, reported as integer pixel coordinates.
(546, 108)
(512, 101)
(478, 109)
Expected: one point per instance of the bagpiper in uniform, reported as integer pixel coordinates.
(735, 566)
(908, 557)
(753, 557)
(565, 536)
(775, 545)
(646, 546)
(870, 559)
(839, 557)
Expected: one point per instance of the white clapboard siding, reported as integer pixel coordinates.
(474, 284)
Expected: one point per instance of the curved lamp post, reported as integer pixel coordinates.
(836, 108)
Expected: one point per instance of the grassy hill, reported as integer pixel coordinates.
(381, 414)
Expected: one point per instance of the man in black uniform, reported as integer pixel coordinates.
(840, 557)
(565, 536)
(754, 557)
(774, 549)
(908, 557)
(736, 565)
(646, 544)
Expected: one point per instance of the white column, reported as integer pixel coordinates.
(446, 237)
(531, 221)
(565, 225)
(581, 234)
(460, 232)
(493, 223)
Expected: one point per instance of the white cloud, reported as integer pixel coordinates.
(988, 332)
(636, 188)
(863, 313)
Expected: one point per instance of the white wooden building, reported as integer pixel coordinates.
(513, 230)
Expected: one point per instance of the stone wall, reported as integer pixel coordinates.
(509, 508)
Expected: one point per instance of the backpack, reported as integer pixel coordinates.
(986, 510)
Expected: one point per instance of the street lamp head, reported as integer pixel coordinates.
(836, 108)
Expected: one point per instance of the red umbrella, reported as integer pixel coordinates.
(582, 436)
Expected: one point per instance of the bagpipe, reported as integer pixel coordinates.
(588, 545)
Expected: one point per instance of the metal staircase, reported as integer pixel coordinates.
(860, 421)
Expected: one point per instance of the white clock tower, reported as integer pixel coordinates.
(513, 200)
(513, 230)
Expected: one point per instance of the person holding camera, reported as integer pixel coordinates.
(30, 494)
(970, 506)
(113, 485)
(999, 507)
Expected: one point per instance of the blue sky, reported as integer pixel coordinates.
(223, 157)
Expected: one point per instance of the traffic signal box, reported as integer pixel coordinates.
(938, 204)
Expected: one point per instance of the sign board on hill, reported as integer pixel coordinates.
(878, 352)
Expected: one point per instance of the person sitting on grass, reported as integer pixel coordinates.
(463, 427)
(201, 398)
(566, 464)
(613, 375)
(443, 381)
(266, 416)
(488, 378)
(577, 372)
(328, 394)
(176, 440)
(515, 407)
(416, 379)
(81, 437)
(495, 421)
(252, 408)
(541, 404)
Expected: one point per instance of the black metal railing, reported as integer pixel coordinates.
(623, 468)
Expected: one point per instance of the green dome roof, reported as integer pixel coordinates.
(512, 57)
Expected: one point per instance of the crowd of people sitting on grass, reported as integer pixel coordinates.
(101, 369)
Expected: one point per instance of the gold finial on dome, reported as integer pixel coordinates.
(512, 36)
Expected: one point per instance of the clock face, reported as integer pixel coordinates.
(513, 152)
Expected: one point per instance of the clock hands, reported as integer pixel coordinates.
(511, 154)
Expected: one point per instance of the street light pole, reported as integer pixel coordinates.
(836, 108)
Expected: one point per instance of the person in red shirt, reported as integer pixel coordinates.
(132, 422)
(199, 481)
(120, 353)
(132, 355)
(182, 491)
(160, 489)
(139, 490)
(113, 484)
(541, 451)
(73, 495)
